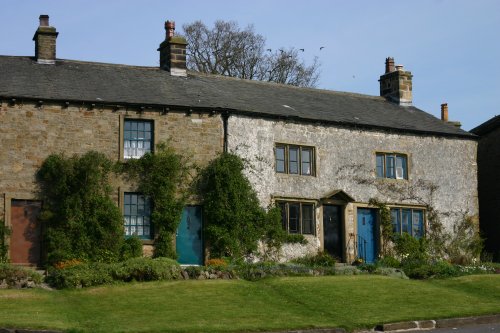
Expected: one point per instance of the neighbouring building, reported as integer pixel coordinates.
(488, 160)
(320, 155)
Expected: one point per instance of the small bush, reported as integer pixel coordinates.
(131, 248)
(147, 269)
(15, 275)
(427, 270)
(295, 239)
(258, 271)
(82, 275)
(388, 261)
(321, 259)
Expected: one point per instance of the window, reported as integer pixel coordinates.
(137, 215)
(137, 138)
(297, 160)
(297, 217)
(391, 165)
(408, 220)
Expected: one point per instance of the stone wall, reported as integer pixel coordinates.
(30, 132)
(442, 171)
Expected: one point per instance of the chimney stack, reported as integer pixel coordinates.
(444, 116)
(45, 42)
(396, 83)
(444, 112)
(173, 51)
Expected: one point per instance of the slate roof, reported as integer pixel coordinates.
(67, 80)
(487, 126)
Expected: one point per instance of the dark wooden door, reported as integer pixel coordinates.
(25, 242)
(332, 230)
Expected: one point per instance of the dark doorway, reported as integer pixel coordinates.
(25, 241)
(332, 230)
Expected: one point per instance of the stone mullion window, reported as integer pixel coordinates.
(294, 159)
(297, 217)
(391, 165)
(408, 220)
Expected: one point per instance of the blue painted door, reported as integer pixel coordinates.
(367, 241)
(189, 242)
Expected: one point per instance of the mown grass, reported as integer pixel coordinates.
(237, 305)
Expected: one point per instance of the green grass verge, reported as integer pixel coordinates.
(237, 305)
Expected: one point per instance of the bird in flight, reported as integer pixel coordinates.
(301, 50)
(269, 50)
(321, 48)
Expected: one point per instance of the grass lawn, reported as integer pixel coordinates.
(238, 305)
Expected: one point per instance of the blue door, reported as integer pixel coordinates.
(189, 242)
(367, 241)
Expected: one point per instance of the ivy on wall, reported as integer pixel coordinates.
(235, 222)
(80, 219)
(164, 176)
(4, 248)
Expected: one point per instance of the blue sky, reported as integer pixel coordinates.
(452, 47)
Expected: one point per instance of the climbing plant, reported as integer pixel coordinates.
(385, 226)
(4, 248)
(235, 220)
(80, 219)
(163, 176)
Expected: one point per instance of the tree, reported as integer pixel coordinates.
(228, 50)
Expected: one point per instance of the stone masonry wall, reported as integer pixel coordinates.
(442, 171)
(29, 133)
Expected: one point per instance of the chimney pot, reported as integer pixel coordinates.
(389, 65)
(444, 112)
(44, 20)
(169, 28)
(399, 67)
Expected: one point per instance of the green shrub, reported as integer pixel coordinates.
(147, 269)
(81, 220)
(258, 271)
(321, 259)
(4, 248)
(388, 261)
(235, 222)
(409, 248)
(82, 275)
(15, 274)
(131, 248)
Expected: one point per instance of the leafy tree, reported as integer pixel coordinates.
(81, 220)
(235, 220)
(163, 176)
(228, 50)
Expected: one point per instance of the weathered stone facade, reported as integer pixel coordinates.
(30, 132)
(441, 170)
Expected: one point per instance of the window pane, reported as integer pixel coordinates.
(418, 224)
(280, 159)
(307, 219)
(401, 167)
(406, 223)
(396, 223)
(282, 207)
(389, 164)
(136, 215)
(293, 163)
(306, 161)
(137, 138)
(380, 166)
(293, 218)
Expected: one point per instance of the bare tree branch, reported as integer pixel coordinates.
(228, 50)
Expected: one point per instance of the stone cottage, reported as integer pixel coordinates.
(320, 155)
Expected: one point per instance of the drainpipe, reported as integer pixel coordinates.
(225, 118)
